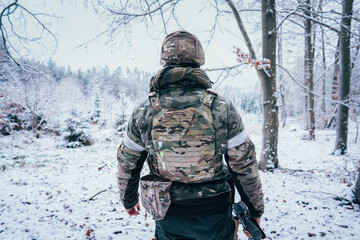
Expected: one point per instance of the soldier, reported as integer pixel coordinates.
(185, 131)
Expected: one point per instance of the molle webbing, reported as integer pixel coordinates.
(184, 140)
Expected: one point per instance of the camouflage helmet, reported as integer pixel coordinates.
(182, 47)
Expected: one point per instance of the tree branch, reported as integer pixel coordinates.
(223, 68)
(313, 20)
(307, 89)
(242, 29)
(6, 13)
(139, 14)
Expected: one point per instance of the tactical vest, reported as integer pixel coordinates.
(183, 140)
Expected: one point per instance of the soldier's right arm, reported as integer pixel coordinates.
(241, 159)
(131, 156)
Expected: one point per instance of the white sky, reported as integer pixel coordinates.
(79, 25)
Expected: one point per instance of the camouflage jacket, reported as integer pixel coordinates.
(180, 88)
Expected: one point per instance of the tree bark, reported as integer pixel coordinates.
(335, 82)
(334, 92)
(345, 75)
(357, 189)
(309, 73)
(269, 157)
(323, 102)
(281, 81)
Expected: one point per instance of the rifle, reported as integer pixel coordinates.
(242, 213)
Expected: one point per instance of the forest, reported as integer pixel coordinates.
(60, 125)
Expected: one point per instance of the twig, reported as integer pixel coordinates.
(307, 89)
(287, 16)
(297, 170)
(6, 13)
(92, 198)
(223, 68)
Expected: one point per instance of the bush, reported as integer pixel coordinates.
(13, 117)
(76, 134)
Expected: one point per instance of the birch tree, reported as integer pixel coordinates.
(309, 70)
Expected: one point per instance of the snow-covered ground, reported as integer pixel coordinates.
(47, 192)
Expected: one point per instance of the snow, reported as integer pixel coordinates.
(45, 189)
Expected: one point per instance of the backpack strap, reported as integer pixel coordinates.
(205, 107)
(210, 94)
(155, 101)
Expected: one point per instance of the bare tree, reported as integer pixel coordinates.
(323, 88)
(309, 69)
(15, 21)
(342, 117)
(281, 80)
(269, 155)
(357, 189)
(334, 89)
(270, 128)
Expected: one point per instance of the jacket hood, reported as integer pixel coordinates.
(174, 75)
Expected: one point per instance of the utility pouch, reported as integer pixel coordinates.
(155, 195)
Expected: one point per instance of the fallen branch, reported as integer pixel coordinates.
(344, 200)
(297, 170)
(92, 198)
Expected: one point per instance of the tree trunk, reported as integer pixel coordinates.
(323, 103)
(357, 189)
(281, 81)
(345, 74)
(334, 92)
(335, 82)
(269, 157)
(306, 84)
(309, 66)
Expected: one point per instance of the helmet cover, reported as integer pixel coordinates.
(182, 47)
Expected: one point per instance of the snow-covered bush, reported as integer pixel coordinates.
(13, 117)
(77, 133)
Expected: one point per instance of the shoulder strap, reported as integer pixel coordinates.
(155, 101)
(210, 94)
(205, 107)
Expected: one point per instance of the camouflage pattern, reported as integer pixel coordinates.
(184, 141)
(192, 191)
(175, 75)
(242, 160)
(181, 88)
(155, 195)
(127, 160)
(179, 97)
(182, 47)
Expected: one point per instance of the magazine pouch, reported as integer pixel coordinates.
(155, 195)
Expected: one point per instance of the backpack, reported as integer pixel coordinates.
(184, 140)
